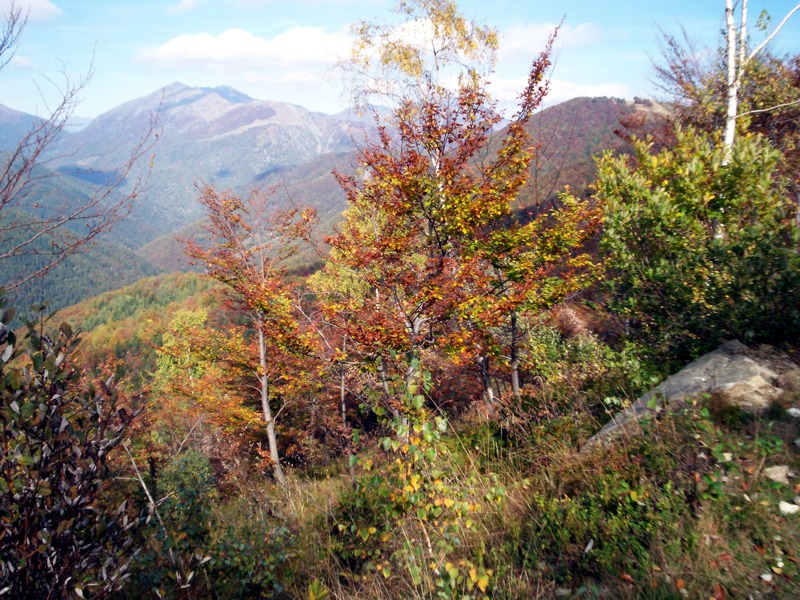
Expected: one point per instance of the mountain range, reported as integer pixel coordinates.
(223, 137)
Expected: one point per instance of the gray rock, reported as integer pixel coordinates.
(727, 373)
(779, 474)
(790, 381)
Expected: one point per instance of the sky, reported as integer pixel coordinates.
(286, 49)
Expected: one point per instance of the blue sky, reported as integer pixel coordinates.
(284, 50)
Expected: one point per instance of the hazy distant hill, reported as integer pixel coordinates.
(223, 137)
(106, 264)
(13, 126)
(571, 135)
(96, 269)
(207, 135)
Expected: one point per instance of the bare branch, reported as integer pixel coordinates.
(10, 33)
(770, 109)
(763, 44)
(45, 228)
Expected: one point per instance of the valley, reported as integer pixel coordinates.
(224, 138)
(250, 350)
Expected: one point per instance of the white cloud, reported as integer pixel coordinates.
(299, 77)
(237, 48)
(20, 62)
(524, 41)
(37, 10)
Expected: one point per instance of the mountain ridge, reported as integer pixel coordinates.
(210, 135)
(225, 138)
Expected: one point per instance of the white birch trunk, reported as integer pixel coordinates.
(263, 379)
(732, 82)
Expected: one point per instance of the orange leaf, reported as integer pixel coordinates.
(627, 578)
(719, 592)
(680, 584)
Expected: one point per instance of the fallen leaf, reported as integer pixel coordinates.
(627, 578)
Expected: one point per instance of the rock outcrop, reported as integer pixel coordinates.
(733, 374)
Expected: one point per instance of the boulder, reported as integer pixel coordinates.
(732, 374)
(790, 381)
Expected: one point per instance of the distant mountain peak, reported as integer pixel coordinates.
(230, 94)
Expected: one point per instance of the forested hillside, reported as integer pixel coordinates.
(426, 367)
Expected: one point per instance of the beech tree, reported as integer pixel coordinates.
(246, 250)
(430, 227)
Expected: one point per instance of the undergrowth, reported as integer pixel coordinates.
(683, 510)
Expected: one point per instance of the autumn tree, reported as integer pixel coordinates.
(246, 250)
(411, 59)
(201, 385)
(430, 238)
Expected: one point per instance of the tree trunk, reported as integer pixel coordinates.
(343, 406)
(268, 419)
(515, 390)
(387, 392)
(486, 380)
(732, 81)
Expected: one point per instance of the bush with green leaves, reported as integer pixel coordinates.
(250, 552)
(206, 547)
(701, 250)
(58, 535)
(407, 517)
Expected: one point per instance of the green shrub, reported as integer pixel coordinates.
(58, 535)
(406, 519)
(701, 250)
(250, 552)
(224, 549)
(610, 528)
